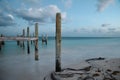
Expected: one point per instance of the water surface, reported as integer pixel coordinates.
(16, 64)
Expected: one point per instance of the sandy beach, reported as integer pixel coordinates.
(90, 69)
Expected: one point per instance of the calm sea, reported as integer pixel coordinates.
(16, 64)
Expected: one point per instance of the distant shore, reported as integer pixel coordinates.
(90, 69)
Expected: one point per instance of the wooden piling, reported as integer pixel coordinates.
(2, 42)
(36, 41)
(58, 42)
(18, 41)
(42, 39)
(0, 46)
(46, 39)
(28, 45)
(23, 37)
(33, 36)
(31, 40)
(21, 45)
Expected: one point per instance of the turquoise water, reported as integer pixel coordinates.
(16, 64)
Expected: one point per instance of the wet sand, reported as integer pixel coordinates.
(90, 69)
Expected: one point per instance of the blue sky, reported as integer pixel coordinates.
(82, 18)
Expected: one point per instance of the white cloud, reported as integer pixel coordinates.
(6, 20)
(102, 4)
(42, 15)
(11, 16)
(67, 3)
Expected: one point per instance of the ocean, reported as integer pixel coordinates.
(16, 64)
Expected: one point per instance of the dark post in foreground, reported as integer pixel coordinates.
(28, 45)
(36, 41)
(58, 42)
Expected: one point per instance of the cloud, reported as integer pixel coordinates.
(32, 1)
(6, 20)
(105, 25)
(4, 6)
(42, 15)
(102, 4)
(34, 14)
(82, 30)
(112, 29)
(67, 3)
(6, 17)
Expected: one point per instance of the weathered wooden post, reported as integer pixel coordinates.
(58, 42)
(33, 36)
(42, 39)
(31, 40)
(46, 39)
(28, 45)
(0, 45)
(36, 41)
(2, 42)
(21, 45)
(23, 37)
(18, 42)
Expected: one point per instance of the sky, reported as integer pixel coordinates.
(80, 18)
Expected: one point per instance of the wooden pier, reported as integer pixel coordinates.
(17, 39)
(20, 40)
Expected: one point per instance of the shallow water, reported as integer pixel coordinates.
(16, 64)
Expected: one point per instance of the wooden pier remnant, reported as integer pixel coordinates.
(58, 42)
(44, 39)
(2, 42)
(21, 45)
(23, 37)
(31, 41)
(28, 45)
(36, 41)
(17, 38)
(0, 45)
(18, 42)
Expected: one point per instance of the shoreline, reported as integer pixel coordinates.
(90, 69)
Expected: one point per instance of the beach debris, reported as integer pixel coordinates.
(109, 70)
(95, 71)
(93, 59)
(115, 72)
(96, 74)
(87, 68)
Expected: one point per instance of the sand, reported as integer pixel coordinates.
(91, 69)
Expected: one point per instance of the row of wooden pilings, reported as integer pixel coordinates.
(21, 43)
(57, 37)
